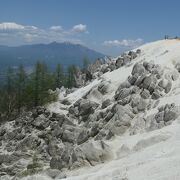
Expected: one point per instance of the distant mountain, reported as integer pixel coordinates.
(64, 53)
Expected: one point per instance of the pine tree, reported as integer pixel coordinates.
(85, 63)
(70, 76)
(21, 83)
(59, 76)
(37, 75)
(43, 81)
(10, 93)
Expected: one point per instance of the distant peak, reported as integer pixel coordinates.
(65, 43)
(54, 42)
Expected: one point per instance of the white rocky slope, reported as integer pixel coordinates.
(147, 156)
(133, 124)
(164, 52)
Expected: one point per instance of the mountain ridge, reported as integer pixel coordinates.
(53, 53)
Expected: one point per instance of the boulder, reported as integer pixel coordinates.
(156, 95)
(74, 110)
(175, 75)
(2, 131)
(108, 116)
(152, 87)
(11, 135)
(101, 135)
(96, 152)
(135, 90)
(87, 107)
(82, 137)
(157, 70)
(40, 110)
(123, 85)
(135, 110)
(124, 101)
(106, 103)
(4, 158)
(112, 67)
(104, 68)
(170, 115)
(142, 105)
(145, 94)
(63, 161)
(55, 174)
(132, 54)
(135, 98)
(60, 118)
(132, 79)
(148, 66)
(119, 127)
(109, 135)
(161, 108)
(159, 116)
(95, 129)
(123, 93)
(68, 136)
(138, 51)
(103, 88)
(28, 143)
(127, 59)
(95, 67)
(41, 122)
(148, 81)
(56, 163)
(122, 117)
(66, 102)
(137, 125)
(138, 69)
(139, 80)
(168, 87)
(177, 66)
(57, 132)
(165, 84)
(151, 123)
(55, 149)
(119, 62)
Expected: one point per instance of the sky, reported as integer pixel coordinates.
(108, 26)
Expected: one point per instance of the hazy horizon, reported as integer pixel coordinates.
(109, 27)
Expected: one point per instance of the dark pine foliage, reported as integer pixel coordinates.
(22, 91)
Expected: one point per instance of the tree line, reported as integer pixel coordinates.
(21, 90)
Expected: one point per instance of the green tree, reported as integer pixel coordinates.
(71, 76)
(21, 83)
(59, 76)
(9, 100)
(86, 62)
(43, 81)
(37, 80)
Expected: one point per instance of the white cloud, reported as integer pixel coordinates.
(31, 28)
(56, 28)
(10, 26)
(123, 43)
(79, 28)
(12, 33)
(30, 37)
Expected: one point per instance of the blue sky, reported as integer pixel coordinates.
(108, 26)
